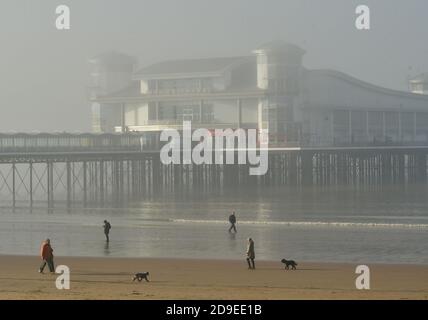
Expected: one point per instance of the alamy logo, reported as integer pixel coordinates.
(363, 280)
(213, 145)
(363, 20)
(63, 280)
(62, 21)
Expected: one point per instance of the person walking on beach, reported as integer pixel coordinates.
(232, 220)
(46, 253)
(251, 255)
(107, 227)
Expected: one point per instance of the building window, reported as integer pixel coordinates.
(408, 126)
(207, 113)
(171, 86)
(375, 126)
(341, 126)
(188, 113)
(359, 130)
(422, 127)
(417, 87)
(391, 126)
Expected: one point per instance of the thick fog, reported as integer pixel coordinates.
(43, 71)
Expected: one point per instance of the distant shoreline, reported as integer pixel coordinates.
(110, 278)
(5, 255)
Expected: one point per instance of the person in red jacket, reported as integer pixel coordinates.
(46, 253)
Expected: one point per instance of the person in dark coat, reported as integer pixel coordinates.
(232, 220)
(46, 253)
(107, 227)
(251, 255)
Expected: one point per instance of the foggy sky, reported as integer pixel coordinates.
(43, 71)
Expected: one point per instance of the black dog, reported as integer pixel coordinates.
(140, 276)
(289, 263)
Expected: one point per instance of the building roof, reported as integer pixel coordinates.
(113, 58)
(280, 46)
(363, 84)
(188, 67)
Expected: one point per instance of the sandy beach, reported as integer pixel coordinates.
(110, 278)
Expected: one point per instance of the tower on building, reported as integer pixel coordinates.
(419, 84)
(279, 71)
(110, 72)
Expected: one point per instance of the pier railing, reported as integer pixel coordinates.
(134, 141)
(68, 142)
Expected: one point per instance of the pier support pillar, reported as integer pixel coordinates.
(85, 183)
(292, 168)
(307, 168)
(13, 184)
(68, 168)
(31, 183)
(421, 160)
(102, 182)
(50, 186)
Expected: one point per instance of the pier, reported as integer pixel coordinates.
(97, 168)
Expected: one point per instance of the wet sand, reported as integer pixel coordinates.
(111, 278)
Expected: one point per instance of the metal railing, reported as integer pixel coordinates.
(67, 142)
(140, 141)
